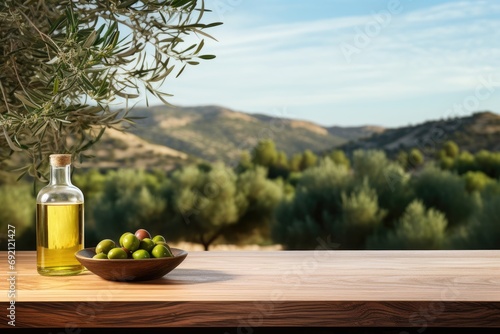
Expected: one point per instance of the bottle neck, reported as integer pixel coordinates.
(60, 175)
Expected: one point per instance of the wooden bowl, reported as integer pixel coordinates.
(130, 269)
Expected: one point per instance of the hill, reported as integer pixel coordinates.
(355, 132)
(169, 136)
(479, 131)
(217, 133)
(118, 149)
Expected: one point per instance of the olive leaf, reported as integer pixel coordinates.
(64, 63)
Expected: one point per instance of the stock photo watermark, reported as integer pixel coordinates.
(89, 310)
(425, 316)
(291, 279)
(11, 274)
(364, 35)
(483, 91)
(224, 7)
(211, 190)
(486, 87)
(272, 129)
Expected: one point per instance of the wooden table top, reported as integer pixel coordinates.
(272, 288)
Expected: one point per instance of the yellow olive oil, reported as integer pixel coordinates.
(59, 236)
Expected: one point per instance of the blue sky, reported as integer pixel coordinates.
(349, 63)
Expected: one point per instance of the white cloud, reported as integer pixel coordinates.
(440, 49)
(450, 11)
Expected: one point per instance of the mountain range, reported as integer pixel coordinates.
(472, 133)
(170, 136)
(165, 137)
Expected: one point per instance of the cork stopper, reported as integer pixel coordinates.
(60, 160)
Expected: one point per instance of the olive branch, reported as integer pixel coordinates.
(65, 64)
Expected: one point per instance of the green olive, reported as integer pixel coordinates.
(100, 256)
(117, 253)
(166, 245)
(140, 254)
(123, 236)
(131, 242)
(159, 238)
(105, 246)
(147, 244)
(161, 251)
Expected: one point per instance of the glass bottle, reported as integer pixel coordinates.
(59, 221)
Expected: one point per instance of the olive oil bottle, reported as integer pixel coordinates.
(59, 221)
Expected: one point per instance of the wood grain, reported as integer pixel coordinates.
(250, 314)
(294, 288)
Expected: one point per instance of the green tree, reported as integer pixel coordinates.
(483, 230)
(91, 183)
(281, 160)
(245, 162)
(402, 159)
(317, 202)
(488, 163)
(309, 159)
(216, 205)
(131, 199)
(339, 157)
(415, 158)
(205, 203)
(476, 181)
(295, 161)
(360, 217)
(18, 209)
(387, 178)
(63, 63)
(446, 162)
(279, 169)
(265, 153)
(257, 198)
(465, 162)
(418, 228)
(451, 149)
(445, 191)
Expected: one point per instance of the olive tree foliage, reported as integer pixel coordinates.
(265, 154)
(64, 63)
(451, 149)
(418, 228)
(312, 212)
(476, 181)
(340, 158)
(488, 162)
(214, 204)
(482, 231)
(257, 198)
(447, 192)
(130, 199)
(360, 217)
(342, 204)
(464, 163)
(205, 203)
(485, 233)
(388, 178)
(18, 209)
(91, 183)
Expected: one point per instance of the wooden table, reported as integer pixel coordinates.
(245, 290)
